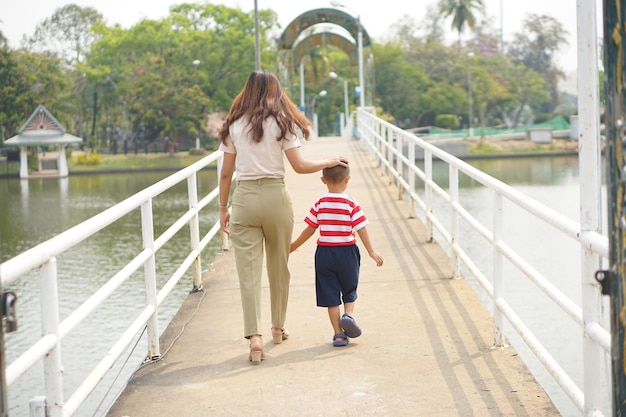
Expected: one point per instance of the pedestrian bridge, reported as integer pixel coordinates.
(430, 346)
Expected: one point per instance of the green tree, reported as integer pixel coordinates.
(159, 91)
(27, 80)
(463, 13)
(536, 47)
(67, 33)
(397, 84)
(222, 39)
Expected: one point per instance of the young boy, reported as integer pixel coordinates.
(337, 257)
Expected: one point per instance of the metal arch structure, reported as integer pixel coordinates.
(318, 27)
(325, 15)
(314, 40)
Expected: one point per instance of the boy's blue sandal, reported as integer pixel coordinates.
(349, 326)
(340, 339)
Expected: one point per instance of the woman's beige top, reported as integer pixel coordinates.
(256, 160)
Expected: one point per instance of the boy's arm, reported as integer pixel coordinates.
(365, 238)
(304, 236)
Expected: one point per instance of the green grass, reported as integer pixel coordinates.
(139, 162)
(518, 147)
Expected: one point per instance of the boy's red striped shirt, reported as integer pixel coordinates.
(338, 216)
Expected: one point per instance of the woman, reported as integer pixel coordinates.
(259, 128)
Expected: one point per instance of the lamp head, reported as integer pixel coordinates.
(333, 75)
(195, 62)
(323, 93)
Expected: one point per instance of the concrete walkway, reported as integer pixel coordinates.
(425, 348)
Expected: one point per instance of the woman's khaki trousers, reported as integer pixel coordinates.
(262, 215)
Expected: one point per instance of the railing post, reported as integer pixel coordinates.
(454, 220)
(149, 267)
(379, 138)
(411, 179)
(387, 136)
(428, 193)
(399, 153)
(53, 370)
(590, 195)
(498, 271)
(194, 231)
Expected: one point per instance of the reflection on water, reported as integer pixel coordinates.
(531, 171)
(516, 172)
(32, 211)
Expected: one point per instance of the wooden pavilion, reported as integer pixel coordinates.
(43, 130)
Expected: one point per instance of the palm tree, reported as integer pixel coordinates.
(463, 13)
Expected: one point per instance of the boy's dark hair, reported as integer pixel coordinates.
(335, 174)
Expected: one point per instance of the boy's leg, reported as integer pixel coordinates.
(328, 290)
(349, 282)
(339, 337)
(348, 308)
(333, 315)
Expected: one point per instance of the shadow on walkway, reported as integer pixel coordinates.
(425, 348)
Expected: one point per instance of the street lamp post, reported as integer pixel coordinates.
(470, 55)
(361, 87)
(195, 64)
(501, 27)
(313, 111)
(257, 48)
(195, 77)
(302, 102)
(334, 76)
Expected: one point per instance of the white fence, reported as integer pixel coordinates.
(397, 151)
(44, 258)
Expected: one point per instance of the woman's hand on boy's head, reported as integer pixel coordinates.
(337, 160)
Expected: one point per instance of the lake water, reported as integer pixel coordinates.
(34, 210)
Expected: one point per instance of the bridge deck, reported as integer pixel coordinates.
(425, 348)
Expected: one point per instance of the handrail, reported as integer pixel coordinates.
(394, 149)
(44, 257)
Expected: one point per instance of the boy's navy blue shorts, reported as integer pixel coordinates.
(336, 274)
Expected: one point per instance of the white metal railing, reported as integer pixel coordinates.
(396, 151)
(44, 258)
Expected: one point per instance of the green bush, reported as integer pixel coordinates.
(447, 121)
(542, 117)
(33, 162)
(89, 159)
(197, 152)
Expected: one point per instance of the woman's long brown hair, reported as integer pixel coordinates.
(264, 97)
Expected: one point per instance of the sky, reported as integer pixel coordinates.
(20, 17)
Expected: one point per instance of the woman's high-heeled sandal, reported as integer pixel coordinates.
(278, 335)
(256, 350)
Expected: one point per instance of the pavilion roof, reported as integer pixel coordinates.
(42, 128)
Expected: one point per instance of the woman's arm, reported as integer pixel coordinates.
(225, 180)
(305, 166)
